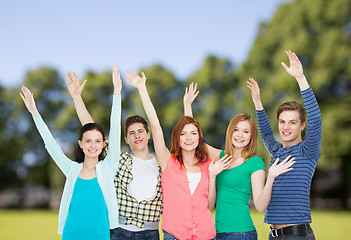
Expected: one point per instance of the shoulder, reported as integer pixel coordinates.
(256, 161)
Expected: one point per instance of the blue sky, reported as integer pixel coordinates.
(81, 35)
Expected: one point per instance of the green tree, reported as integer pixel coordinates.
(33, 164)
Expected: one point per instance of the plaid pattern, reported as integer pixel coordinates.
(135, 213)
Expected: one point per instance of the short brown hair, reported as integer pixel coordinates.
(249, 150)
(292, 106)
(135, 119)
(201, 152)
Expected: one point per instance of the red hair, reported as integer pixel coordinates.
(201, 152)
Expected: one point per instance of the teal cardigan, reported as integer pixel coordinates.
(105, 170)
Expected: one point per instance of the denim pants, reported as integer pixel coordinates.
(122, 234)
(251, 235)
(168, 236)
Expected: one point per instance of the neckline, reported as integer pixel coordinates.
(87, 179)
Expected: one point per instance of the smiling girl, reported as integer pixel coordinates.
(88, 204)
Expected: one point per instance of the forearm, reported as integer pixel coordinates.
(148, 107)
(212, 193)
(51, 145)
(187, 110)
(258, 105)
(115, 132)
(262, 201)
(302, 81)
(82, 111)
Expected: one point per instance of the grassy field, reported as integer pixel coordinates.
(42, 225)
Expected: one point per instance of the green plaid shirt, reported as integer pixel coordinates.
(140, 214)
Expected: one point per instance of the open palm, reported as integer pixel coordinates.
(134, 79)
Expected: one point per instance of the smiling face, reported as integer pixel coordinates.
(92, 143)
(242, 135)
(290, 128)
(137, 137)
(189, 138)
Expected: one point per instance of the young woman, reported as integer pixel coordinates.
(230, 189)
(88, 204)
(184, 173)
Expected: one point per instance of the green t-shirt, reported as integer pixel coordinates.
(233, 195)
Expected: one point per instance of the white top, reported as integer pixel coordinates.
(144, 183)
(194, 179)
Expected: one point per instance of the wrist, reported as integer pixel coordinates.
(117, 92)
(76, 97)
(270, 178)
(301, 78)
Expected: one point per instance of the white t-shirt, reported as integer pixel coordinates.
(144, 183)
(194, 179)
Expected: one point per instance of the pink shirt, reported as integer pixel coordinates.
(186, 216)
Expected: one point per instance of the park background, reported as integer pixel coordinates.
(218, 45)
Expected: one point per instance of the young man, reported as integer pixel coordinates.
(289, 210)
(137, 181)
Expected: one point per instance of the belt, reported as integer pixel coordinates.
(296, 230)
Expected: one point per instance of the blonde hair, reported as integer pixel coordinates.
(251, 148)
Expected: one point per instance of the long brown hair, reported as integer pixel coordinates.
(251, 148)
(201, 152)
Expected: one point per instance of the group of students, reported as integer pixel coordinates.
(117, 195)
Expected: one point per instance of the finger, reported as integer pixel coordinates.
(222, 158)
(22, 96)
(191, 86)
(75, 76)
(70, 76)
(83, 84)
(289, 164)
(286, 159)
(143, 75)
(128, 77)
(66, 81)
(115, 68)
(195, 87)
(197, 93)
(284, 65)
(275, 162)
(135, 74)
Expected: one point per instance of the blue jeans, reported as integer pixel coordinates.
(251, 235)
(122, 234)
(168, 236)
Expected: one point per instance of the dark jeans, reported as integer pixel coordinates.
(122, 234)
(251, 235)
(303, 235)
(168, 236)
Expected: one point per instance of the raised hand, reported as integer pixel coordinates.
(295, 70)
(190, 94)
(28, 100)
(135, 80)
(255, 93)
(216, 167)
(255, 90)
(74, 87)
(116, 80)
(276, 169)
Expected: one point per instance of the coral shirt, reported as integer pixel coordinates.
(186, 216)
